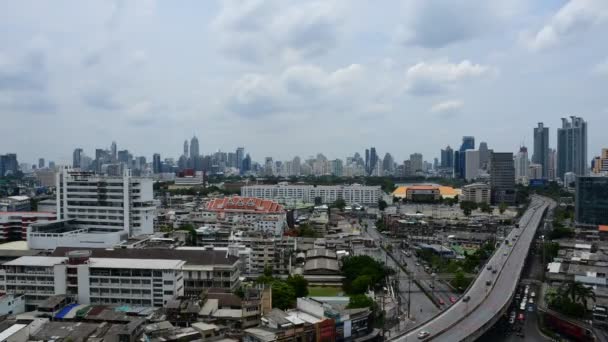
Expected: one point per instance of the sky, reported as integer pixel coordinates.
(286, 78)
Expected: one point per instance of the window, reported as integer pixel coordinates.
(168, 282)
(168, 293)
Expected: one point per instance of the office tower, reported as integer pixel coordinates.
(121, 203)
(522, 164)
(502, 178)
(51, 164)
(101, 157)
(41, 163)
(367, 162)
(457, 164)
(600, 164)
(435, 163)
(156, 165)
(77, 158)
(535, 171)
(124, 157)
(572, 147)
(388, 163)
(484, 155)
(551, 164)
(247, 163)
(194, 152)
(468, 143)
(591, 200)
(447, 158)
(186, 148)
(8, 164)
(416, 162)
(240, 155)
(471, 169)
(113, 155)
(337, 167)
(268, 167)
(407, 168)
(541, 148)
(373, 159)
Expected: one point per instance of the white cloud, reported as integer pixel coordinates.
(575, 17)
(447, 106)
(254, 30)
(427, 78)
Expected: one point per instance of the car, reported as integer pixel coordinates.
(494, 271)
(489, 268)
(531, 301)
(530, 308)
(533, 294)
(417, 264)
(431, 285)
(488, 282)
(511, 320)
(423, 334)
(522, 306)
(466, 298)
(452, 300)
(521, 317)
(441, 302)
(504, 254)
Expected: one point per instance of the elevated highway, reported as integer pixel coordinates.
(491, 292)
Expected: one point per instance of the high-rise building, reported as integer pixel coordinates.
(572, 147)
(367, 161)
(416, 162)
(337, 167)
(388, 163)
(457, 165)
(117, 204)
(373, 159)
(77, 158)
(8, 164)
(535, 171)
(41, 163)
(447, 158)
(156, 164)
(551, 164)
(194, 152)
(484, 155)
(502, 178)
(435, 163)
(600, 163)
(468, 143)
(268, 167)
(186, 153)
(51, 164)
(471, 170)
(522, 164)
(541, 148)
(240, 155)
(113, 152)
(591, 200)
(247, 163)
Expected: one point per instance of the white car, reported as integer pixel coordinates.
(533, 294)
(423, 334)
(531, 301)
(522, 306)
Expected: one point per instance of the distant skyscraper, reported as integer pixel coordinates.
(8, 164)
(551, 164)
(388, 163)
(484, 155)
(591, 201)
(541, 148)
(502, 178)
(447, 158)
(522, 164)
(416, 162)
(194, 152)
(77, 158)
(247, 163)
(113, 152)
(435, 163)
(156, 165)
(41, 163)
(471, 168)
(268, 167)
(468, 143)
(186, 153)
(572, 147)
(51, 165)
(240, 155)
(367, 161)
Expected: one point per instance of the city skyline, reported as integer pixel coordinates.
(295, 79)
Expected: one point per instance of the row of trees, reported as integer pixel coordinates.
(362, 273)
(284, 292)
(571, 299)
(468, 207)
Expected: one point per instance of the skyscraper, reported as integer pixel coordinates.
(541, 148)
(373, 159)
(156, 165)
(77, 158)
(388, 163)
(447, 157)
(416, 162)
(194, 153)
(502, 178)
(572, 147)
(591, 200)
(468, 143)
(484, 155)
(240, 155)
(113, 152)
(41, 163)
(8, 164)
(186, 148)
(366, 161)
(247, 163)
(522, 164)
(471, 168)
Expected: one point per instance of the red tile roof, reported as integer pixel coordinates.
(246, 204)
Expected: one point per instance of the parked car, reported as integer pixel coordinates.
(441, 302)
(466, 298)
(452, 300)
(423, 334)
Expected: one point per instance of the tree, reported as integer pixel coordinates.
(340, 203)
(466, 211)
(283, 295)
(361, 284)
(577, 292)
(267, 277)
(360, 301)
(485, 207)
(306, 231)
(192, 231)
(502, 207)
(382, 205)
(299, 284)
(460, 281)
(362, 265)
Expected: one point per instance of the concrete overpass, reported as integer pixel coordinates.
(491, 293)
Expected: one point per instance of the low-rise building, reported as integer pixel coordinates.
(288, 193)
(476, 192)
(15, 203)
(13, 225)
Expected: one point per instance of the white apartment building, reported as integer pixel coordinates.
(283, 192)
(106, 203)
(477, 192)
(150, 282)
(257, 214)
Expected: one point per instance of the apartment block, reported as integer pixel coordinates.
(283, 192)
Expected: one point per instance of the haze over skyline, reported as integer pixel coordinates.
(297, 78)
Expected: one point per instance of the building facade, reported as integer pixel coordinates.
(15, 203)
(262, 215)
(591, 200)
(105, 202)
(541, 148)
(477, 192)
(572, 147)
(502, 178)
(283, 192)
(472, 164)
(13, 225)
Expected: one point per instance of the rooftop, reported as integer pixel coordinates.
(249, 204)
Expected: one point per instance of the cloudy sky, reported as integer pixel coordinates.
(286, 78)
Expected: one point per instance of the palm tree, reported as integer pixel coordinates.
(577, 292)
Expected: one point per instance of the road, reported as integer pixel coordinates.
(421, 306)
(490, 292)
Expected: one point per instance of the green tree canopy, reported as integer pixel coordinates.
(283, 295)
(371, 272)
(299, 284)
(360, 301)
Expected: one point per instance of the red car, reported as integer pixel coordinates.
(441, 302)
(452, 300)
(520, 317)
